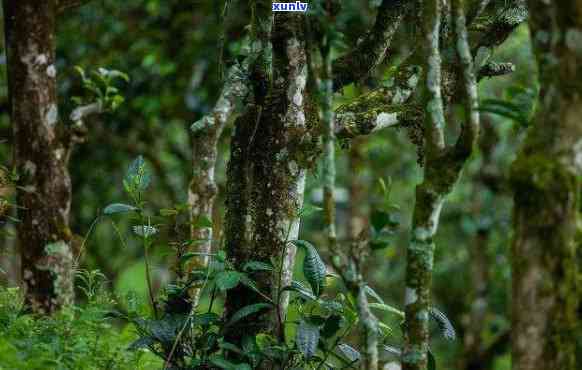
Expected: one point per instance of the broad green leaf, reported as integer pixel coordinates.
(226, 280)
(313, 267)
(118, 208)
(307, 338)
(247, 311)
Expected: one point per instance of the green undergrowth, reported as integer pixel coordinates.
(79, 337)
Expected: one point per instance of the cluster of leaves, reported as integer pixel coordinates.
(315, 336)
(100, 87)
(78, 337)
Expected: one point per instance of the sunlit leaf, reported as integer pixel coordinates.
(118, 208)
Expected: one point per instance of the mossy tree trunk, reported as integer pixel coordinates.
(443, 165)
(40, 157)
(266, 175)
(546, 183)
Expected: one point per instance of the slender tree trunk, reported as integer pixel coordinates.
(546, 183)
(44, 186)
(443, 166)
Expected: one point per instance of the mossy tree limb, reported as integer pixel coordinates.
(205, 136)
(546, 182)
(365, 57)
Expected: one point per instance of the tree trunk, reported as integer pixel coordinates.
(44, 185)
(546, 182)
(266, 179)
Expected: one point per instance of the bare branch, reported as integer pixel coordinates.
(64, 5)
(79, 114)
(365, 57)
(493, 69)
(470, 129)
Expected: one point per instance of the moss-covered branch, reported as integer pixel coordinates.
(205, 135)
(365, 57)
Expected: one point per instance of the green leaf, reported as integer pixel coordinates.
(350, 352)
(446, 327)
(379, 219)
(372, 293)
(202, 222)
(249, 283)
(387, 308)
(168, 212)
(332, 326)
(138, 176)
(257, 266)
(431, 361)
(301, 289)
(143, 342)
(247, 311)
(118, 208)
(309, 209)
(226, 280)
(205, 319)
(307, 338)
(313, 267)
(391, 350)
(222, 363)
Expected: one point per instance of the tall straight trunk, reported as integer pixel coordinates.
(266, 178)
(44, 185)
(546, 182)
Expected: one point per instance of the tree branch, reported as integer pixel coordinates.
(365, 57)
(64, 5)
(493, 69)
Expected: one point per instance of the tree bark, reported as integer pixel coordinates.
(44, 185)
(546, 183)
(443, 166)
(266, 178)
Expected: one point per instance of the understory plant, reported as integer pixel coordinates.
(316, 333)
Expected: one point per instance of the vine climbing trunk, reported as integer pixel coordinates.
(546, 182)
(44, 185)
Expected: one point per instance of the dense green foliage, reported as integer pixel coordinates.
(131, 228)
